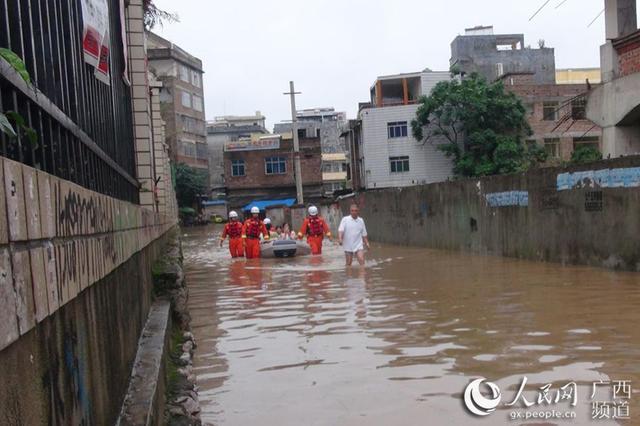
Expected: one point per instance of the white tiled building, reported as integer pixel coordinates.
(391, 156)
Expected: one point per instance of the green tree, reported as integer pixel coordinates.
(483, 127)
(585, 154)
(190, 184)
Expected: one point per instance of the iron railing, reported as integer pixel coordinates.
(84, 127)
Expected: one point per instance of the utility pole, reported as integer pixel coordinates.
(296, 143)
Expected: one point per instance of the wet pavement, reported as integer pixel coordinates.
(306, 341)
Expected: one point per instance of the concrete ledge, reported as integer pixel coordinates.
(143, 402)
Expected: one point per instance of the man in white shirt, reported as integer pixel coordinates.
(352, 235)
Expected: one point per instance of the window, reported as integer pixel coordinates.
(275, 165)
(189, 148)
(237, 167)
(192, 125)
(399, 164)
(302, 133)
(587, 141)
(197, 103)
(183, 73)
(186, 99)
(579, 108)
(397, 129)
(552, 147)
(202, 150)
(550, 111)
(330, 188)
(195, 79)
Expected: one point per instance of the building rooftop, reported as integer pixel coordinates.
(213, 130)
(161, 48)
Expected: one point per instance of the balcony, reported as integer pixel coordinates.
(403, 89)
(334, 176)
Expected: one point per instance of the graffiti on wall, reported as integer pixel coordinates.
(628, 177)
(508, 199)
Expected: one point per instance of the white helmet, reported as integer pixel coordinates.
(267, 221)
(255, 210)
(233, 214)
(313, 211)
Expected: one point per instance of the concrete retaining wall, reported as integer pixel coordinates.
(75, 290)
(579, 215)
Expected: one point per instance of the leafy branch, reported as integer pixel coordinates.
(153, 16)
(21, 128)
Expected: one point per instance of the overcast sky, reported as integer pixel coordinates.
(334, 49)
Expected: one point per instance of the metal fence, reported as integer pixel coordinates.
(84, 127)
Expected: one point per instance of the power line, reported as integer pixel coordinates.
(596, 18)
(540, 9)
(561, 3)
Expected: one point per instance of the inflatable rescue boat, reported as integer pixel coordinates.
(284, 248)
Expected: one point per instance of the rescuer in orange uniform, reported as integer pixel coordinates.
(233, 230)
(251, 231)
(315, 228)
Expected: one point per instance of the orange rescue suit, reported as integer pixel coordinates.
(251, 231)
(233, 230)
(315, 228)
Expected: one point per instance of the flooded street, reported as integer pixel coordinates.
(306, 341)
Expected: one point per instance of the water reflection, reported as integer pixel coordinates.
(307, 341)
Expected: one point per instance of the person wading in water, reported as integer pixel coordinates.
(251, 231)
(315, 228)
(352, 235)
(233, 230)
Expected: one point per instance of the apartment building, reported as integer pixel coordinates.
(229, 128)
(327, 124)
(389, 154)
(491, 55)
(263, 169)
(181, 101)
(556, 111)
(556, 114)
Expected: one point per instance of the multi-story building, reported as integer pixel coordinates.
(327, 124)
(229, 128)
(182, 101)
(263, 169)
(491, 55)
(615, 105)
(555, 112)
(389, 154)
(352, 135)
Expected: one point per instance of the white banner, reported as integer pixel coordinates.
(95, 36)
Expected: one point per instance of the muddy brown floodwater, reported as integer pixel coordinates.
(306, 341)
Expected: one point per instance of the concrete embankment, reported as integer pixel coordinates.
(162, 388)
(576, 215)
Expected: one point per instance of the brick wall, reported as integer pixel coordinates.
(255, 176)
(564, 128)
(629, 54)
